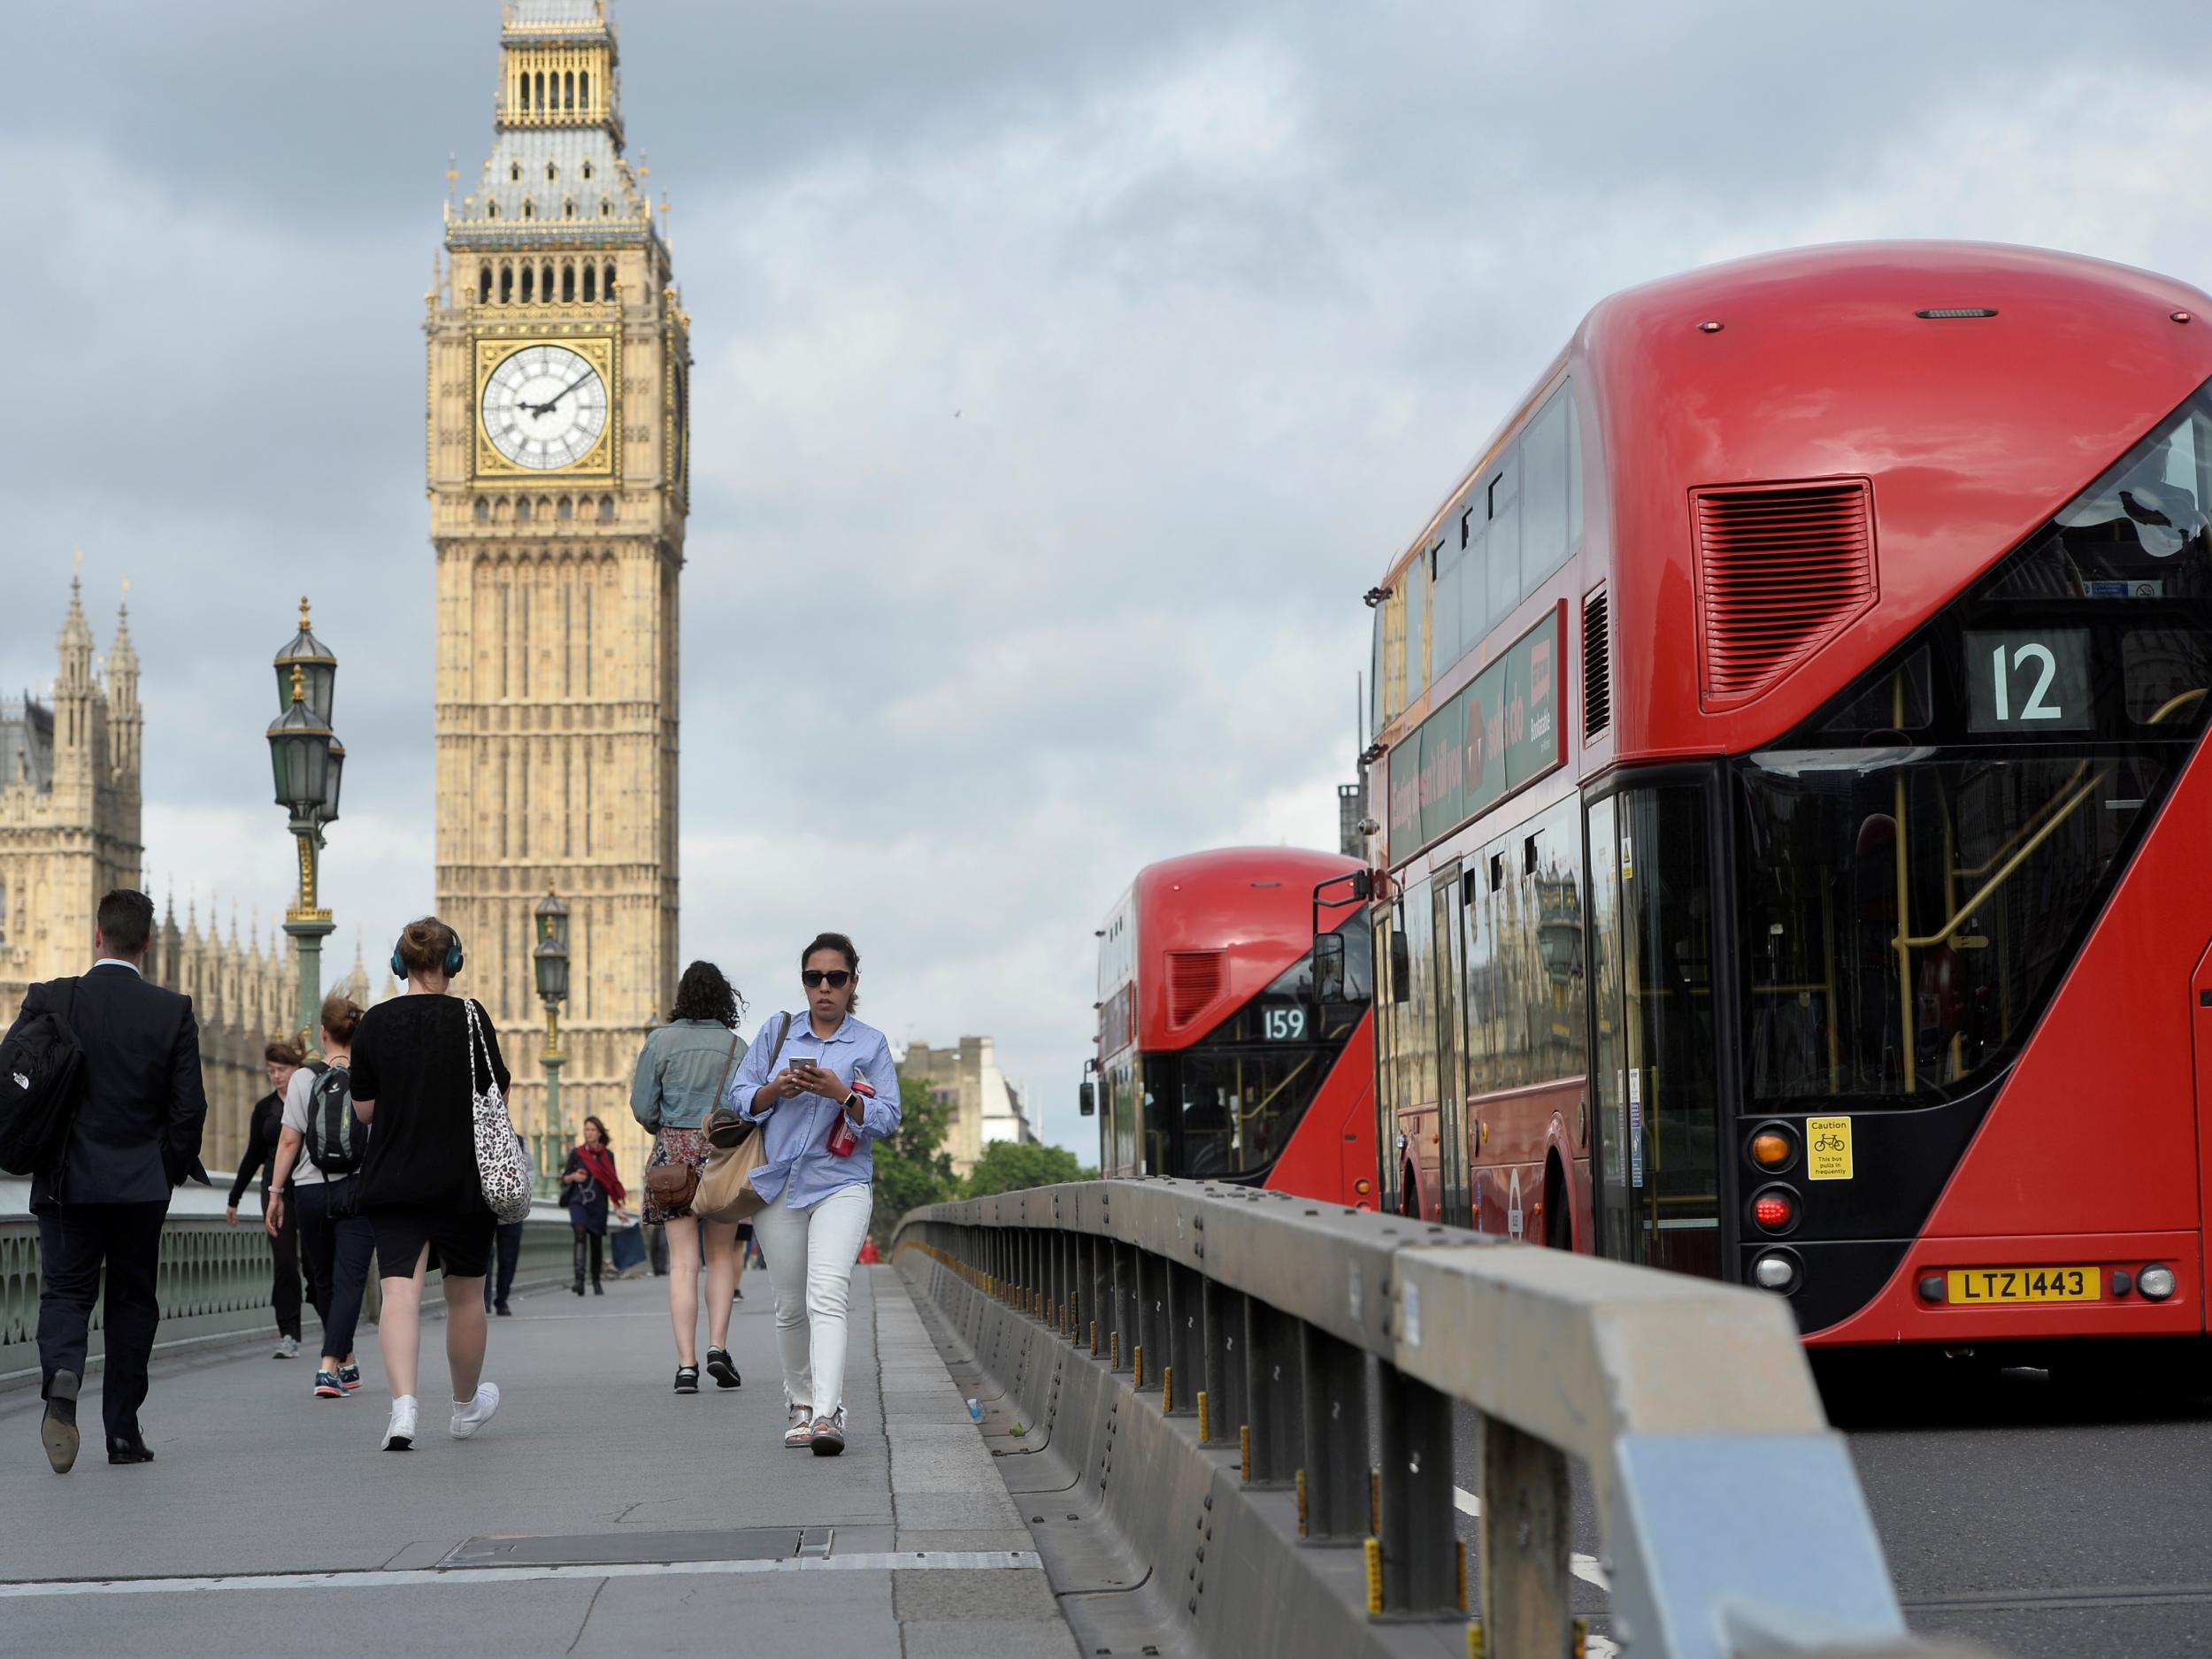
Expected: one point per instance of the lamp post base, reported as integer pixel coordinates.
(308, 932)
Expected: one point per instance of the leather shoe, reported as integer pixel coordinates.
(128, 1448)
(58, 1429)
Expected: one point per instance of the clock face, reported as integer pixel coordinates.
(545, 407)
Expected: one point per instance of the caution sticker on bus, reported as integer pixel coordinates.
(1985, 1286)
(1828, 1149)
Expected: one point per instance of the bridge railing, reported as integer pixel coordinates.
(213, 1284)
(1732, 1517)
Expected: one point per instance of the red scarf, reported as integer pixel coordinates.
(599, 1164)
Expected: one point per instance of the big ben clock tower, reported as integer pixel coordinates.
(558, 349)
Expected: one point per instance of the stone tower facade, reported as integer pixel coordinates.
(69, 830)
(558, 358)
(69, 807)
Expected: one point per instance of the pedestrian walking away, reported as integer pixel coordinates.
(280, 1059)
(417, 1063)
(102, 1192)
(824, 1090)
(682, 1073)
(508, 1249)
(320, 1152)
(588, 1185)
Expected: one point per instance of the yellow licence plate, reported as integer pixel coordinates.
(1990, 1285)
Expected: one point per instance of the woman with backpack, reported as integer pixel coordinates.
(591, 1184)
(319, 1149)
(680, 1075)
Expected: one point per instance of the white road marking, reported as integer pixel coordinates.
(370, 1579)
(1584, 1567)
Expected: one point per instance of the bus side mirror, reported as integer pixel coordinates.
(1328, 967)
(1086, 1099)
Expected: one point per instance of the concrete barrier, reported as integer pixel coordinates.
(1270, 1521)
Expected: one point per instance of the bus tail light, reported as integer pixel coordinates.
(2156, 1283)
(1777, 1270)
(1773, 1147)
(1363, 1186)
(1774, 1210)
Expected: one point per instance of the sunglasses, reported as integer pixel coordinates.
(838, 978)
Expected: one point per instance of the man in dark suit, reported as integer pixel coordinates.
(135, 1138)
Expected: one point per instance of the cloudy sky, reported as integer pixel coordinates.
(1064, 374)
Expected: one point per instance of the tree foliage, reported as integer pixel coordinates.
(912, 1167)
(1011, 1166)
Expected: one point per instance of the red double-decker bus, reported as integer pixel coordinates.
(1796, 803)
(1218, 1054)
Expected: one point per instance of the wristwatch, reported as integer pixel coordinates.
(851, 1094)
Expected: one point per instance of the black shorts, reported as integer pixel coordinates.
(460, 1244)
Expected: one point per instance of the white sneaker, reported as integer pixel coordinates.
(399, 1434)
(288, 1349)
(473, 1415)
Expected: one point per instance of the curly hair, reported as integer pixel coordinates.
(703, 994)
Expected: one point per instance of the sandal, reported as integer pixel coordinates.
(801, 1433)
(687, 1379)
(828, 1437)
(723, 1369)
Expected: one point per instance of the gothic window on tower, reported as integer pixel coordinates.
(529, 207)
(551, 172)
(522, 510)
(506, 284)
(514, 173)
(568, 207)
(606, 280)
(606, 207)
(484, 286)
(568, 88)
(529, 282)
(567, 509)
(606, 509)
(587, 165)
(483, 509)
(491, 208)
(568, 271)
(591, 283)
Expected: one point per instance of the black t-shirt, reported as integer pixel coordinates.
(410, 1055)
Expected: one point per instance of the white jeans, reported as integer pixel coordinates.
(811, 1255)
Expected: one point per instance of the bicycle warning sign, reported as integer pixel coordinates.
(1828, 1149)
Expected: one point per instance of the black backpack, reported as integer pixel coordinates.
(42, 1082)
(336, 1139)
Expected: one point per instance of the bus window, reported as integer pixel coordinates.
(1475, 616)
(1501, 502)
(1544, 493)
(1415, 582)
(1445, 645)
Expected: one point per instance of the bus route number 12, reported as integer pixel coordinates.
(2035, 682)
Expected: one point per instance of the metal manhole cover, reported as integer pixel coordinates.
(594, 1549)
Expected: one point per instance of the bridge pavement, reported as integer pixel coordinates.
(271, 1524)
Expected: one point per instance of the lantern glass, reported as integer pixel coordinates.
(551, 961)
(327, 813)
(299, 754)
(552, 918)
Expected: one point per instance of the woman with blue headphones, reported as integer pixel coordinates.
(418, 1061)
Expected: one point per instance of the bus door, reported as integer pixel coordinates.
(1447, 961)
(1654, 1039)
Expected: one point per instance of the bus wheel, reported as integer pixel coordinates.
(1559, 1222)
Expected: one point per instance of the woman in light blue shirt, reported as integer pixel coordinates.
(823, 1090)
(681, 1074)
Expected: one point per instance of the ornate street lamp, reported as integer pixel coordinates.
(551, 960)
(308, 765)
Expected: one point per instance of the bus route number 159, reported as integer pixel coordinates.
(1285, 1025)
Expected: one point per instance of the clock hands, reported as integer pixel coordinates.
(546, 407)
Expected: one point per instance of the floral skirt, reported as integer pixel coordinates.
(674, 1145)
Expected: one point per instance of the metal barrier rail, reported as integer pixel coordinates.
(212, 1285)
(1732, 1516)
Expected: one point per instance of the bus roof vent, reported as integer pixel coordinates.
(1194, 981)
(1782, 569)
(1597, 666)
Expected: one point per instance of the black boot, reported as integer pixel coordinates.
(579, 1267)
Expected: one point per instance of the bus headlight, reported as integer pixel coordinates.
(2157, 1283)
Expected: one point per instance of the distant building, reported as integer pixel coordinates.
(69, 832)
(1351, 814)
(981, 1105)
